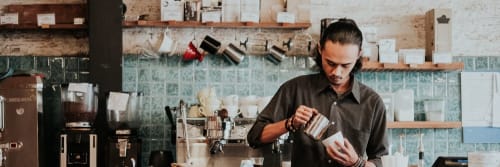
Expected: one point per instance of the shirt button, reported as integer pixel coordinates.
(334, 103)
(329, 161)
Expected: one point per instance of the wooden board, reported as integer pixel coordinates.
(65, 13)
(423, 124)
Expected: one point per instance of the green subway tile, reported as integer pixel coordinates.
(244, 76)
(453, 91)
(481, 64)
(157, 131)
(494, 63)
(383, 78)
(84, 76)
(439, 90)
(255, 62)
(214, 76)
(481, 147)
(157, 89)
(71, 77)
(129, 87)
(129, 74)
(425, 77)
(172, 74)
(21, 62)
(271, 77)
(441, 147)
(439, 77)
(441, 135)
(147, 63)
(187, 75)
(229, 76)
(42, 63)
(396, 87)
(243, 89)
(145, 74)
(173, 61)
(397, 77)
(71, 63)
(383, 88)
(158, 74)
(424, 91)
(200, 75)
(369, 77)
(4, 62)
(144, 87)
(258, 75)
(469, 64)
(228, 89)
(411, 77)
(158, 117)
(186, 90)
(144, 132)
(258, 89)
(245, 63)
(130, 60)
(172, 89)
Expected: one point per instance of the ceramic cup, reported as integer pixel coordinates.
(232, 110)
(168, 45)
(249, 111)
(331, 140)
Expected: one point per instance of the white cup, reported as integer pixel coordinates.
(78, 20)
(263, 101)
(331, 140)
(230, 100)
(248, 100)
(195, 111)
(232, 110)
(249, 111)
(168, 45)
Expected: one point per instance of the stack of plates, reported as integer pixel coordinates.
(484, 159)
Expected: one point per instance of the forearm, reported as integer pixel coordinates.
(272, 131)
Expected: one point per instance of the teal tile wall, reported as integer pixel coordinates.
(167, 80)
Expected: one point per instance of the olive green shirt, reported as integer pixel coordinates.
(359, 114)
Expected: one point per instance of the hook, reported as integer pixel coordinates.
(244, 43)
(288, 43)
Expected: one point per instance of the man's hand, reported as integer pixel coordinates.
(345, 154)
(302, 115)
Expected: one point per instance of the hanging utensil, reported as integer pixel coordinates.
(173, 127)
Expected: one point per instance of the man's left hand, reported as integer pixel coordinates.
(345, 154)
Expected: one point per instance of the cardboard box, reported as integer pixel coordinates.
(172, 10)
(301, 9)
(250, 11)
(269, 9)
(442, 58)
(231, 10)
(412, 56)
(437, 32)
(388, 57)
(387, 45)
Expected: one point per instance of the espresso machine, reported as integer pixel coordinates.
(124, 145)
(78, 139)
(20, 121)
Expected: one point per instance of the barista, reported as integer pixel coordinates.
(357, 110)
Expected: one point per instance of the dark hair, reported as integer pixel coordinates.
(344, 31)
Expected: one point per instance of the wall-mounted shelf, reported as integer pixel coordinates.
(427, 66)
(188, 24)
(423, 124)
(48, 27)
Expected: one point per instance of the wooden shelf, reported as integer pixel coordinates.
(427, 66)
(36, 27)
(423, 124)
(189, 24)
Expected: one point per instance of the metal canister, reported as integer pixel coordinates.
(317, 126)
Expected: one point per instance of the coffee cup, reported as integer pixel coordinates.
(195, 111)
(210, 44)
(330, 141)
(232, 110)
(276, 54)
(230, 100)
(168, 45)
(249, 111)
(317, 126)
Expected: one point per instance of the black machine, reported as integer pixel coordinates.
(78, 144)
(123, 145)
(450, 162)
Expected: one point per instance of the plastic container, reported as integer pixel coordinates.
(404, 105)
(128, 117)
(79, 102)
(434, 109)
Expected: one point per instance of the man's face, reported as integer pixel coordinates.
(338, 61)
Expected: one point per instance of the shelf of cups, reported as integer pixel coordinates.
(193, 24)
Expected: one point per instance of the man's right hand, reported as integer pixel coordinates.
(302, 115)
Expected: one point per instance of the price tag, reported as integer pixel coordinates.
(78, 87)
(210, 16)
(46, 19)
(117, 101)
(285, 17)
(172, 10)
(250, 17)
(9, 18)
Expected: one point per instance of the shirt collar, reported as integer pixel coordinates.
(323, 84)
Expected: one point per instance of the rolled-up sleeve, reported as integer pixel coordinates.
(275, 111)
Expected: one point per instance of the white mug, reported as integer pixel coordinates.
(230, 100)
(249, 111)
(168, 45)
(232, 110)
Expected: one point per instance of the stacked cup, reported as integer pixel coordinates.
(230, 103)
(248, 106)
(209, 101)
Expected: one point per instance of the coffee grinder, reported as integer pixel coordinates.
(124, 145)
(78, 144)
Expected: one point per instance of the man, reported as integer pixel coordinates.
(357, 110)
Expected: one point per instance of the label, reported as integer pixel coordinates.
(172, 10)
(249, 17)
(285, 17)
(210, 16)
(78, 87)
(46, 19)
(9, 18)
(117, 101)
